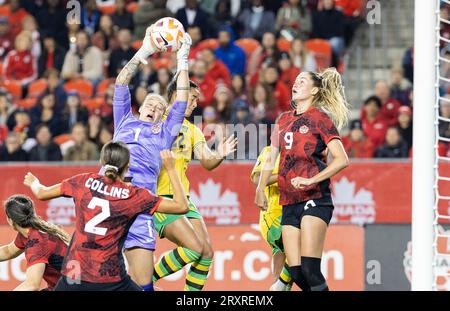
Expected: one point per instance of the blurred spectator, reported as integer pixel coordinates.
(139, 95)
(352, 17)
(46, 149)
(122, 54)
(196, 36)
(163, 77)
(20, 63)
(374, 124)
(221, 15)
(94, 126)
(240, 112)
(73, 112)
(328, 24)
(288, 72)
(389, 108)
(238, 87)
(29, 24)
(444, 27)
(6, 37)
(83, 150)
(400, 87)
(6, 111)
(193, 15)
(444, 126)
(394, 147)
(445, 71)
(105, 37)
(52, 56)
(210, 121)
(46, 111)
(105, 136)
(206, 84)
(267, 53)
(223, 99)
(149, 11)
(281, 93)
(106, 109)
(405, 125)
(301, 58)
(408, 64)
(255, 21)
(263, 107)
(83, 62)
(122, 19)
(90, 17)
(12, 149)
(356, 144)
(55, 87)
(52, 22)
(294, 20)
(21, 124)
(15, 14)
(229, 53)
(217, 70)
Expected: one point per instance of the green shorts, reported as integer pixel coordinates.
(162, 220)
(272, 234)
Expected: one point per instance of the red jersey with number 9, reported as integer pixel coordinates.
(302, 140)
(105, 209)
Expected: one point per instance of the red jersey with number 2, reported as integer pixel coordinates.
(104, 212)
(302, 140)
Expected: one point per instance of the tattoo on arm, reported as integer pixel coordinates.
(128, 71)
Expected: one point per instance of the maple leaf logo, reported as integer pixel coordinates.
(353, 206)
(212, 203)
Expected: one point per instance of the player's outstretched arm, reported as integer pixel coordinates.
(179, 204)
(33, 280)
(9, 251)
(266, 172)
(40, 191)
(210, 159)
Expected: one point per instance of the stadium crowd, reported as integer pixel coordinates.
(57, 77)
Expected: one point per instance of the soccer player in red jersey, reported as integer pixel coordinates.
(44, 244)
(105, 208)
(302, 137)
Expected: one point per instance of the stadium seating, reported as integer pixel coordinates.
(322, 52)
(132, 7)
(36, 88)
(93, 103)
(284, 45)
(103, 86)
(208, 44)
(14, 88)
(249, 45)
(84, 87)
(137, 44)
(26, 103)
(107, 9)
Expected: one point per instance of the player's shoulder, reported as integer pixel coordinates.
(284, 116)
(36, 236)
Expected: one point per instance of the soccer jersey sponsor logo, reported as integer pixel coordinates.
(352, 205)
(442, 260)
(220, 207)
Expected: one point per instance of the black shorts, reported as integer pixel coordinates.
(293, 213)
(66, 284)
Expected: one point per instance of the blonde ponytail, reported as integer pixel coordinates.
(331, 97)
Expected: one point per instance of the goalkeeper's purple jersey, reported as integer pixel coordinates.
(145, 140)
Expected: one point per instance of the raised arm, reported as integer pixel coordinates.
(210, 159)
(179, 204)
(40, 191)
(175, 116)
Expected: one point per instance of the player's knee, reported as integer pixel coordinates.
(208, 251)
(313, 275)
(196, 246)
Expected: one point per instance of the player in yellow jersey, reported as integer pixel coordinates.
(270, 225)
(188, 230)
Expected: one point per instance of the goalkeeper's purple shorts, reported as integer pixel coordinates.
(141, 233)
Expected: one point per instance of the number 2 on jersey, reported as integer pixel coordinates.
(289, 139)
(91, 225)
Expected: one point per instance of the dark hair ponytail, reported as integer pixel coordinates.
(115, 157)
(20, 209)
